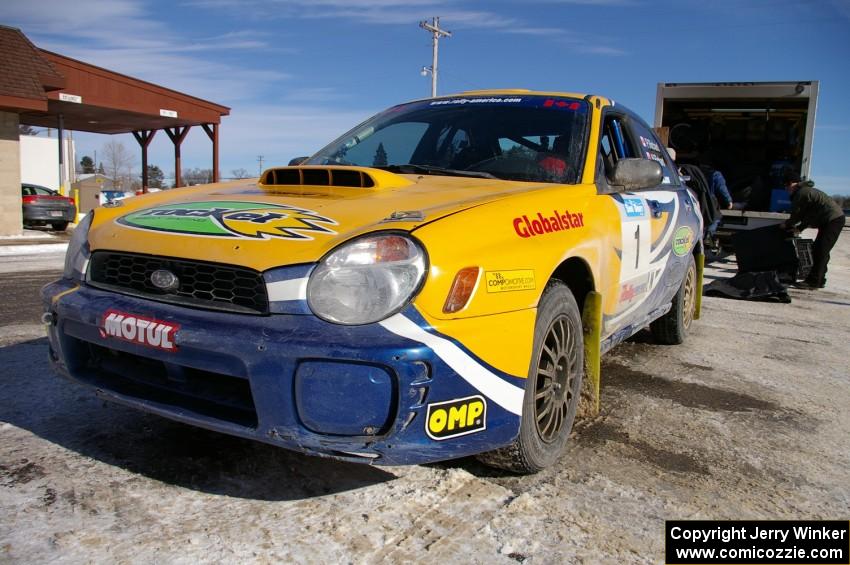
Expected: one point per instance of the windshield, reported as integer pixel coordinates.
(525, 138)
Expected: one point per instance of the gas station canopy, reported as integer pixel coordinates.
(51, 90)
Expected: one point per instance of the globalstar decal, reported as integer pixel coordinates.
(138, 329)
(558, 221)
(252, 220)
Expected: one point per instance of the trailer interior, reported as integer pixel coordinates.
(748, 140)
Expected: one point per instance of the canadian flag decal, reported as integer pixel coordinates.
(138, 329)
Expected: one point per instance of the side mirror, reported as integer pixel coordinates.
(297, 161)
(634, 174)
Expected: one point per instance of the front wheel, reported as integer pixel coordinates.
(552, 389)
(672, 328)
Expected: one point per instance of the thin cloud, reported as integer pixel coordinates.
(128, 39)
(595, 2)
(602, 50)
(542, 31)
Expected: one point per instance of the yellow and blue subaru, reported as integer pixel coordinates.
(437, 282)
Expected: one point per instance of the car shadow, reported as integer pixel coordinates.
(33, 398)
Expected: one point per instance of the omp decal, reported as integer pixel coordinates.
(509, 281)
(138, 329)
(252, 220)
(293, 289)
(455, 418)
(682, 241)
(559, 221)
(499, 391)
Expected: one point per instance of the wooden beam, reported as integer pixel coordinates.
(212, 133)
(144, 138)
(177, 136)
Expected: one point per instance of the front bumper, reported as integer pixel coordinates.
(389, 393)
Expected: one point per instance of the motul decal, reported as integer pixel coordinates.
(138, 329)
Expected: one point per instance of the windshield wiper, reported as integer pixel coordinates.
(412, 169)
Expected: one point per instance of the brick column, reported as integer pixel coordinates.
(10, 175)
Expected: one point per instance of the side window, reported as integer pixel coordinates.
(650, 148)
(614, 144)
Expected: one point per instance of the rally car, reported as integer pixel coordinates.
(437, 282)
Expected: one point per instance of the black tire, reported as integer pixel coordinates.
(552, 389)
(59, 226)
(672, 328)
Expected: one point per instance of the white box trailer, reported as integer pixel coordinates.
(747, 130)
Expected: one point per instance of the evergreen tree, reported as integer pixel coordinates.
(86, 165)
(155, 177)
(380, 159)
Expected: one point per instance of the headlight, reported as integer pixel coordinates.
(367, 280)
(78, 250)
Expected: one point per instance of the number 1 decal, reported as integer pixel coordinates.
(637, 247)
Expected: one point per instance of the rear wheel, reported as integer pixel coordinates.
(552, 389)
(59, 226)
(672, 327)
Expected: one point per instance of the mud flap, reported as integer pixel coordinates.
(592, 322)
(700, 261)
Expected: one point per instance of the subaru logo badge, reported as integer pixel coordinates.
(165, 280)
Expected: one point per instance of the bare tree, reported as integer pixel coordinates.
(240, 174)
(191, 177)
(118, 162)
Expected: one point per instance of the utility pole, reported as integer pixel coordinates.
(436, 33)
(260, 160)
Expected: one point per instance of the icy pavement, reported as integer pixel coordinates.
(747, 420)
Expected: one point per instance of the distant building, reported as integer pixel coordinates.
(40, 161)
(90, 186)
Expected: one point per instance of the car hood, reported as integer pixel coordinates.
(294, 215)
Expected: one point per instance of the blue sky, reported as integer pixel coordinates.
(297, 73)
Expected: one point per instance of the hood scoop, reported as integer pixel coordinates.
(344, 177)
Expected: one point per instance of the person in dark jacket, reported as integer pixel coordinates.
(812, 208)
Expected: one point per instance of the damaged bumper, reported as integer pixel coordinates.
(394, 392)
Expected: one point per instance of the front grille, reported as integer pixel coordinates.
(203, 285)
(209, 394)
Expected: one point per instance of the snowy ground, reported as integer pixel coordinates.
(749, 419)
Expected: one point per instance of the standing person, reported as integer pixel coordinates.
(717, 183)
(812, 208)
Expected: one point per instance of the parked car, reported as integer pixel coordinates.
(435, 283)
(43, 206)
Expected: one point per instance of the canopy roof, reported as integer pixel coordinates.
(40, 85)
